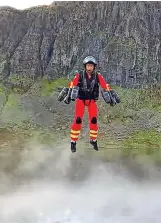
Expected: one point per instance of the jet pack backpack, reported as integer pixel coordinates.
(94, 87)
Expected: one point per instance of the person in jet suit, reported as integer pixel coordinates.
(84, 90)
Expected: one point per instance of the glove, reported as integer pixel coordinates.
(67, 99)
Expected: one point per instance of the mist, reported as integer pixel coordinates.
(40, 184)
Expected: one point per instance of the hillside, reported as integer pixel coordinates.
(51, 41)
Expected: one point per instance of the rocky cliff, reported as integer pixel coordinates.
(51, 41)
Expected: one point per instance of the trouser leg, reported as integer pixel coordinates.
(93, 116)
(77, 123)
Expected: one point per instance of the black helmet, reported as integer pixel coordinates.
(90, 59)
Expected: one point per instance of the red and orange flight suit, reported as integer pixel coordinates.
(80, 104)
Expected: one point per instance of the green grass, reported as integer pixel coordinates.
(12, 101)
(20, 83)
(2, 95)
(20, 134)
(143, 145)
(147, 140)
(133, 103)
(47, 87)
(138, 99)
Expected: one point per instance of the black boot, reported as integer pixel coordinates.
(73, 147)
(94, 144)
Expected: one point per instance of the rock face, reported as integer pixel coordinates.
(51, 41)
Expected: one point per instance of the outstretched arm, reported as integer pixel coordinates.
(74, 81)
(103, 83)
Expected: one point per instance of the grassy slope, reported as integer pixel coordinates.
(141, 142)
(134, 105)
